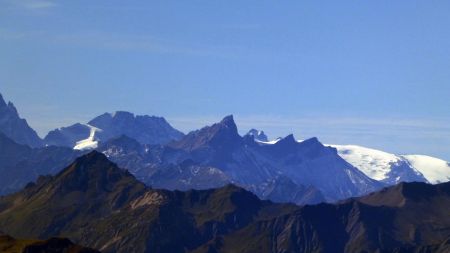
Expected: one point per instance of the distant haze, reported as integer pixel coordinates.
(373, 73)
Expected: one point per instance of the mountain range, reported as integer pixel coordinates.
(287, 168)
(282, 170)
(390, 168)
(94, 203)
(145, 129)
(126, 183)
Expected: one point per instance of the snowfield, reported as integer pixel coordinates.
(90, 142)
(435, 170)
(391, 168)
(379, 165)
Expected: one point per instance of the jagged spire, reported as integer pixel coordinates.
(228, 120)
(2, 101)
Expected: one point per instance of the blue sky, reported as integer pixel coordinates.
(374, 73)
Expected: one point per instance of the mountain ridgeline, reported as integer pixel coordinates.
(96, 204)
(284, 170)
(145, 129)
(288, 171)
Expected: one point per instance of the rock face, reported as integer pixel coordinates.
(144, 129)
(15, 127)
(67, 136)
(94, 203)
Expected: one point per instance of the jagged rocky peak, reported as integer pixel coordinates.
(288, 141)
(227, 125)
(15, 127)
(2, 101)
(225, 132)
(228, 122)
(7, 107)
(222, 135)
(258, 135)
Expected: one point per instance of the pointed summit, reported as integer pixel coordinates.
(16, 128)
(229, 123)
(221, 136)
(94, 175)
(2, 101)
(229, 120)
(287, 141)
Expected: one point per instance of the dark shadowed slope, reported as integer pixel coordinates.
(94, 203)
(20, 164)
(53, 245)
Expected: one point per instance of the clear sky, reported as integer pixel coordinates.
(374, 73)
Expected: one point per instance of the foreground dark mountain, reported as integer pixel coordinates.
(15, 127)
(94, 203)
(145, 129)
(97, 204)
(20, 164)
(53, 245)
(306, 172)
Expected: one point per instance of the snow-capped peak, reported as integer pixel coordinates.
(391, 168)
(434, 169)
(374, 163)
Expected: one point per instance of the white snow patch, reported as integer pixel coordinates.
(435, 170)
(269, 142)
(376, 164)
(90, 142)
